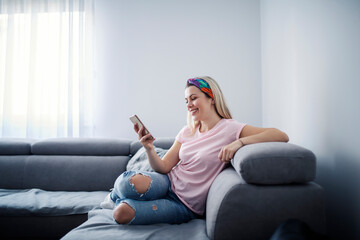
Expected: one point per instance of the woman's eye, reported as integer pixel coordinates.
(191, 99)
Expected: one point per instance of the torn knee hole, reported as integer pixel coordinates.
(154, 207)
(124, 213)
(141, 183)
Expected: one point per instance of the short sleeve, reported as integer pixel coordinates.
(238, 127)
(180, 136)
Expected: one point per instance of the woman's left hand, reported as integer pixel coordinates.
(228, 152)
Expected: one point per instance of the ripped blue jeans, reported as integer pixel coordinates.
(159, 204)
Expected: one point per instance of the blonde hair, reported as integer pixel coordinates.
(220, 105)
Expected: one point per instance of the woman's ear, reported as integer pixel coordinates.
(213, 102)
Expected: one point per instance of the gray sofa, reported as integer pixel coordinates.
(52, 188)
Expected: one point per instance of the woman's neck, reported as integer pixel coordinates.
(209, 123)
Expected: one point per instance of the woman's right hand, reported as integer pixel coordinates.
(146, 140)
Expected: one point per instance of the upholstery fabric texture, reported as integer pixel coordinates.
(14, 146)
(275, 163)
(231, 200)
(81, 146)
(12, 171)
(47, 203)
(61, 173)
(101, 225)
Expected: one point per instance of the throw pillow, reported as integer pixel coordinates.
(140, 161)
(275, 163)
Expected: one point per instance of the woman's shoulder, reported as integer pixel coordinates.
(233, 123)
(183, 133)
(185, 128)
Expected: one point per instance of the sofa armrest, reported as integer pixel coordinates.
(221, 187)
(249, 211)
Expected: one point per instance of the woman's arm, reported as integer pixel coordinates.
(170, 159)
(250, 135)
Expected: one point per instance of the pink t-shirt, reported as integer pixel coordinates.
(199, 162)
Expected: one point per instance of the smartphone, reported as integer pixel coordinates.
(135, 119)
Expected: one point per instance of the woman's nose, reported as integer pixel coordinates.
(189, 104)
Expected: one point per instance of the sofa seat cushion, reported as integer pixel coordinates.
(101, 225)
(275, 163)
(37, 202)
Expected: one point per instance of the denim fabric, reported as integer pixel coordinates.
(158, 205)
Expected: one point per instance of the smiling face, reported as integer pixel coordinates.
(198, 104)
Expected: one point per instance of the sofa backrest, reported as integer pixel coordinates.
(62, 164)
(66, 164)
(164, 143)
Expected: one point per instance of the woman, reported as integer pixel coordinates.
(176, 192)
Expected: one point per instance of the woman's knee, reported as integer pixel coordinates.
(124, 213)
(139, 180)
(141, 183)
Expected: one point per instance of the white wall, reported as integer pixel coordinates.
(146, 50)
(311, 89)
(308, 57)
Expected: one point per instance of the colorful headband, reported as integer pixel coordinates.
(202, 85)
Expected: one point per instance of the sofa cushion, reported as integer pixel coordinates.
(82, 146)
(72, 173)
(12, 171)
(38, 202)
(101, 225)
(275, 163)
(15, 146)
(140, 160)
